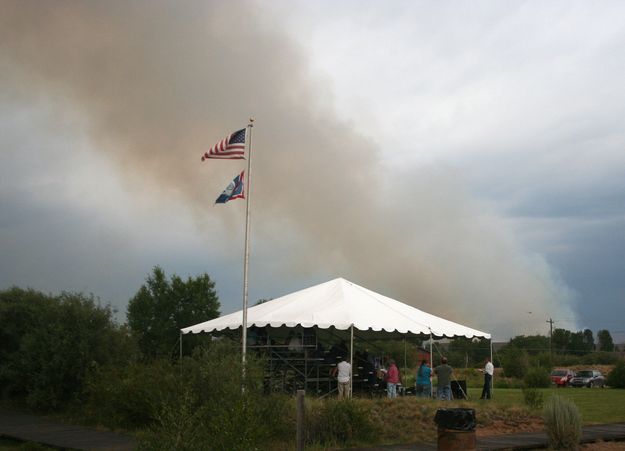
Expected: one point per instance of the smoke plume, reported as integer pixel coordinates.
(158, 82)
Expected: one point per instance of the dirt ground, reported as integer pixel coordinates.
(604, 446)
(536, 425)
(510, 427)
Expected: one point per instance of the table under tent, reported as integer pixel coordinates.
(303, 335)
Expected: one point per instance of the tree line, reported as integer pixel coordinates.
(51, 344)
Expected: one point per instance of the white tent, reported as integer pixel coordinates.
(343, 305)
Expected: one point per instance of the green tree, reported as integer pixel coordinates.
(616, 378)
(532, 344)
(589, 340)
(561, 340)
(578, 344)
(162, 307)
(49, 343)
(605, 341)
(467, 352)
(515, 362)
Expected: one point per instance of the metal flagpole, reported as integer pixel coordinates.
(246, 259)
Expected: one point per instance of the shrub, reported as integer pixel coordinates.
(533, 398)
(49, 343)
(337, 422)
(130, 396)
(563, 423)
(210, 411)
(616, 378)
(537, 378)
(515, 362)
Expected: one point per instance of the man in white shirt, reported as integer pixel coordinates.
(344, 370)
(488, 371)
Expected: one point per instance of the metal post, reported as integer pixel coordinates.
(405, 358)
(492, 379)
(431, 365)
(351, 361)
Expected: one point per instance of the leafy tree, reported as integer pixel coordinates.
(515, 362)
(162, 307)
(50, 342)
(561, 340)
(589, 340)
(467, 352)
(578, 343)
(616, 378)
(532, 344)
(605, 341)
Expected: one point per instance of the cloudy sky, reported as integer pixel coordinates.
(467, 158)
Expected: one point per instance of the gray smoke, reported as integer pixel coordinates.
(159, 81)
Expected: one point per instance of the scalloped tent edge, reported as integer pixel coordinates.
(341, 304)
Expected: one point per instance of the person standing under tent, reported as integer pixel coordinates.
(392, 379)
(424, 380)
(443, 373)
(343, 374)
(488, 371)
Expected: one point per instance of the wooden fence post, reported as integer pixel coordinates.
(300, 420)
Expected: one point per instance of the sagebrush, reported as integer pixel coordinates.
(563, 423)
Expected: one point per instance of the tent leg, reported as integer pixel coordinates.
(405, 359)
(431, 366)
(351, 361)
(492, 379)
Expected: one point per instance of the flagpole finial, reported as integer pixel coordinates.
(251, 121)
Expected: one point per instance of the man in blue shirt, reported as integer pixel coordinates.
(424, 382)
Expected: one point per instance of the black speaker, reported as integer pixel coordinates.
(459, 389)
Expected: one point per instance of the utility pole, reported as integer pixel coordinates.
(550, 321)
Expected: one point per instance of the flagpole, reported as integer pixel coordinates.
(247, 244)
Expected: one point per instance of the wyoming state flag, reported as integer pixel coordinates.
(233, 191)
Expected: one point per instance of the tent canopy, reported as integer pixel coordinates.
(340, 304)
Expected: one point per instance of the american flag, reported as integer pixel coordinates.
(230, 148)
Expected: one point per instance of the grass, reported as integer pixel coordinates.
(409, 420)
(596, 405)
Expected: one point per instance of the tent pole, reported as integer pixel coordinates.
(492, 379)
(351, 361)
(431, 365)
(405, 364)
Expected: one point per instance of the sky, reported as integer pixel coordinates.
(466, 158)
